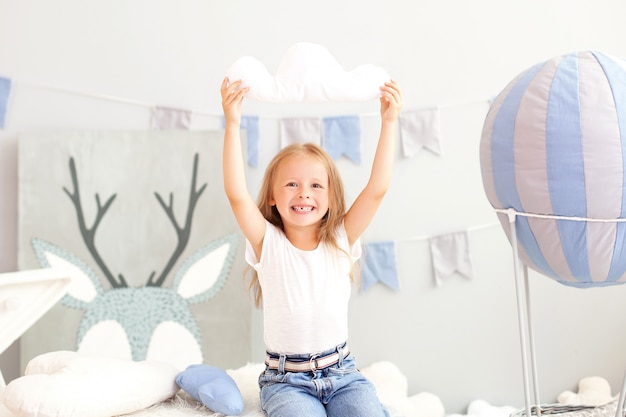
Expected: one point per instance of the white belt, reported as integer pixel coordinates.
(315, 363)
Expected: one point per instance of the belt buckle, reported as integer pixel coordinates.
(313, 362)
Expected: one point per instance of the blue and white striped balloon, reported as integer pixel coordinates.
(554, 143)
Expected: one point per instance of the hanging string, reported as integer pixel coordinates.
(469, 229)
(105, 97)
(90, 95)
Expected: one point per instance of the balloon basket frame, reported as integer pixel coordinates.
(527, 342)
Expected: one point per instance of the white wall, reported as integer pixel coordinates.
(458, 341)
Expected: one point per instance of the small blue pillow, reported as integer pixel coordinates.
(213, 387)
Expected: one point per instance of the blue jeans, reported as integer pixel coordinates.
(337, 391)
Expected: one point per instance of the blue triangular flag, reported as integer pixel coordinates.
(378, 264)
(341, 136)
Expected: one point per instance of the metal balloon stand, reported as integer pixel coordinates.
(529, 364)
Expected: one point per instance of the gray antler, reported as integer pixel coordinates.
(182, 233)
(89, 234)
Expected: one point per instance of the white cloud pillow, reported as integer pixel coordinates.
(308, 73)
(72, 384)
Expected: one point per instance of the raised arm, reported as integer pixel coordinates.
(366, 204)
(249, 218)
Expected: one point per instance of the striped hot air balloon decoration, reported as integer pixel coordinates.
(553, 150)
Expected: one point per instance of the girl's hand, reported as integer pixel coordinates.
(232, 96)
(390, 101)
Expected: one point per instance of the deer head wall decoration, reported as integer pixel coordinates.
(149, 322)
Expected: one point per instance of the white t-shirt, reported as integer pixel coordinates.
(305, 293)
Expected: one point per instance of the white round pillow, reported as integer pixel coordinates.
(72, 384)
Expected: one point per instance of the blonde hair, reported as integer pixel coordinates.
(336, 199)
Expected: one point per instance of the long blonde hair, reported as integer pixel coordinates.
(336, 199)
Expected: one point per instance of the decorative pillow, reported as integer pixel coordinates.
(213, 387)
(71, 384)
(307, 73)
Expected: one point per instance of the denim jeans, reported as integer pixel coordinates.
(337, 391)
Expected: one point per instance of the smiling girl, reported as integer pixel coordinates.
(302, 244)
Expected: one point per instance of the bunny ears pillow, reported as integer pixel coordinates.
(307, 73)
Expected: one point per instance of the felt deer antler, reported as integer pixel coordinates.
(89, 234)
(181, 232)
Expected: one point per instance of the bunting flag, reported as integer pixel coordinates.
(419, 129)
(300, 130)
(378, 264)
(5, 91)
(251, 125)
(164, 118)
(341, 136)
(450, 253)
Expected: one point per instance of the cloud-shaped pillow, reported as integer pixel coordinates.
(308, 73)
(593, 390)
(213, 387)
(392, 389)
